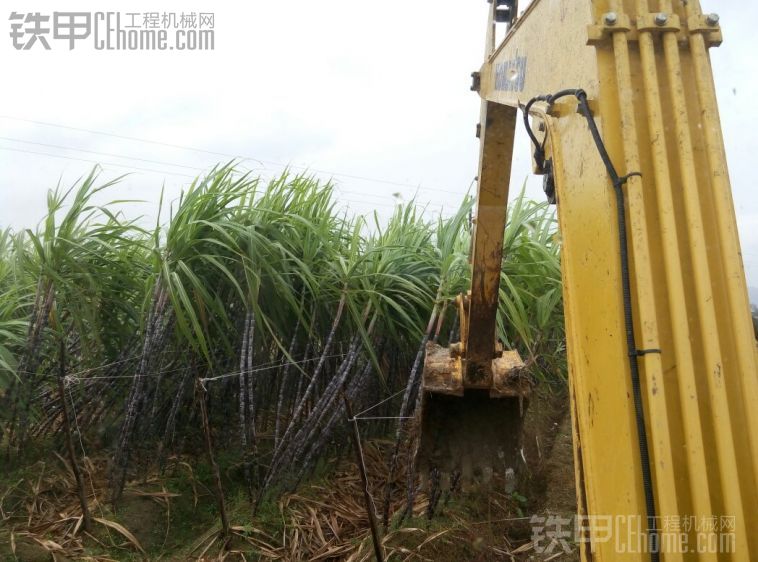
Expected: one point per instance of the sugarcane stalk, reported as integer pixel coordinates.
(121, 457)
(168, 434)
(321, 362)
(159, 379)
(283, 385)
(310, 426)
(440, 321)
(252, 452)
(410, 388)
(306, 434)
(29, 364)
(270, 383)
(243, 397)
(276, 461)
(413, 448)
(299, 392)
(411, 475)
(355, 388)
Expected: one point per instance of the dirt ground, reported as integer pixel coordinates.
(549, 482)
(174, 516)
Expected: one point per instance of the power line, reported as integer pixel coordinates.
(384, 198)
(234, 156)
(162, 163)
(366, 203)
(94, 161)
(61, 147)
(74, 159)
(115, 135)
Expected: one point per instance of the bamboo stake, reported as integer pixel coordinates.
(201, 392)
(370, 508)
(69, 442)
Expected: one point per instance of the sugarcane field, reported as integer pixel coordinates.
(265, 296)
(205, 365)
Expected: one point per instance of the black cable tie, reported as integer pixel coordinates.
(641, 352)
(623, 179)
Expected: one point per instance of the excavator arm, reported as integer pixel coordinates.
(619, 103)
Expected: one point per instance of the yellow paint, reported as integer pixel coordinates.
(651, 90)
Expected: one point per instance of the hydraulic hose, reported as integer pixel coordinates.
(633, 353)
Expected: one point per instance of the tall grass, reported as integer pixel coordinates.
(267, 295)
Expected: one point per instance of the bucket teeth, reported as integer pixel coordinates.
(469, 441)
(459, 480)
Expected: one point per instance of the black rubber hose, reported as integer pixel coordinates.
(631, 345)
(539, 149)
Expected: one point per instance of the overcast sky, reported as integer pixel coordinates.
(375, 94)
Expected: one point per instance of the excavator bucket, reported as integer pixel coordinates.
(470, 433)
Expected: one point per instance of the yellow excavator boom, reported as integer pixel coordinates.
(621, 109)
